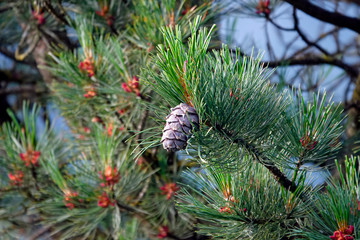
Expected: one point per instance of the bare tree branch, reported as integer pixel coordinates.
(324, 15)
(353, 72)
(302, 35)
(311, 60)
(278, 26)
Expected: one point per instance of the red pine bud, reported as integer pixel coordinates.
(125, 87)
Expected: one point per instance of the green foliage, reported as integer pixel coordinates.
(240, 112)
(178, 64)
(82, 177)
(151, 15)
(111, 16)
(31, 183)
(130, 230)
(9, 28)
(19, 137)
(244, 205)
(65, 187)
(110, 58)
(317, 124)
(248, 127)
(249, 161)
(338, 207)
(161, 207)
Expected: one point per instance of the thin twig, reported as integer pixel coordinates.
(143, 190)
(278, 26)
(315, 60)
(302, 35)
(320, 37)
(142, 122)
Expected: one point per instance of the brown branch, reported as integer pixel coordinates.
(320, 37)
(324, 15)
(275, 171)
(316, 60)
(302, 35)
(354, 1)
(280, 177)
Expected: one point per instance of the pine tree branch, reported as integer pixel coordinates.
(59, 16)
(275, 171)
(143, 190)
(326, 16)
(129, 209)
(279, 176)
(141, 124)
(140, 214)
(299, 163)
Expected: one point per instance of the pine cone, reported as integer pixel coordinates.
(179, 123)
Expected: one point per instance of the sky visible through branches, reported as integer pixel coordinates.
(249, 32)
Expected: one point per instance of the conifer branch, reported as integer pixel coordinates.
(59, 16)
(125, 207)
(275, 171)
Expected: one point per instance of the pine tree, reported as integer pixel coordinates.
(170, 136)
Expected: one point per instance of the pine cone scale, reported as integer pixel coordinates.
(179, 124)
